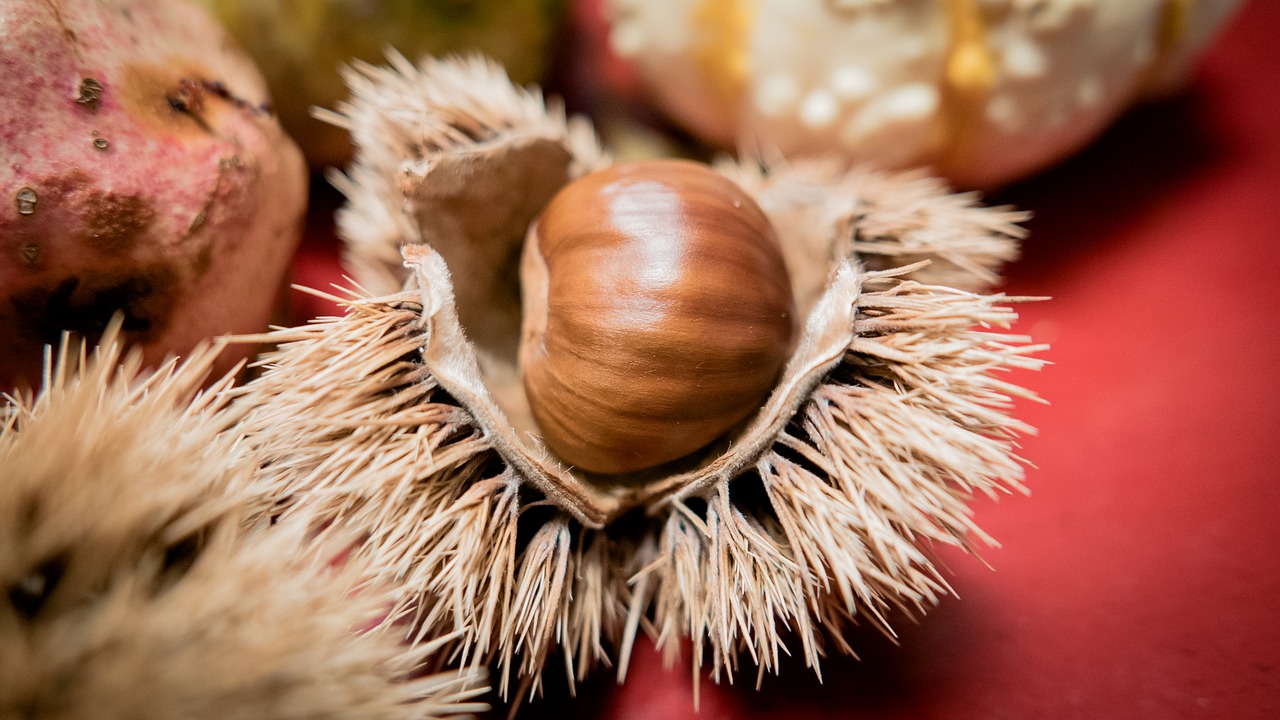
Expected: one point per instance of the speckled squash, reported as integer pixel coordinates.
(984, 91)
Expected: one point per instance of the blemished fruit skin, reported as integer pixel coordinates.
(142, 172)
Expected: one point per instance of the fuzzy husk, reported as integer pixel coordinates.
(136, 588)
(397, 418)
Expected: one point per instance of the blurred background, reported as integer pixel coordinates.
(1141, 577)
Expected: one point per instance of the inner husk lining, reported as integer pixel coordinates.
(473, 210)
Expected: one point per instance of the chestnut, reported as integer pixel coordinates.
(657, 314)
(653, 298)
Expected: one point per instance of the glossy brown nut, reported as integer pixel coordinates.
(657, 314)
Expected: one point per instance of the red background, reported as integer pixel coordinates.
(1141, 577)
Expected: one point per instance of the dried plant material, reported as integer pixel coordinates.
(894, 219)
(446, 127)
(134, 588)
(398, 421)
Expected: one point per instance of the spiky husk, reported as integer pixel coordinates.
(880, 462)
(404, 114)
(135, 588)
(831, 521)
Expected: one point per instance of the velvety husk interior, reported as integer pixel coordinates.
(474, 208)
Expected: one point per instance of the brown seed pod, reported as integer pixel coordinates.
(406, 419)
(126, 562)
(657, 314)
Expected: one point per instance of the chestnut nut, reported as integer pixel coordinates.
(658, 314)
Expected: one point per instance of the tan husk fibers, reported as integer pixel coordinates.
(134, 588)
(402, 419)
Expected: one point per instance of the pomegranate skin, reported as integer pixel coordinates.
(142, 172)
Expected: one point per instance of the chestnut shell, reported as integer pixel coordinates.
(658, 313)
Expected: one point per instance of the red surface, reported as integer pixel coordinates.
(1141, 578)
